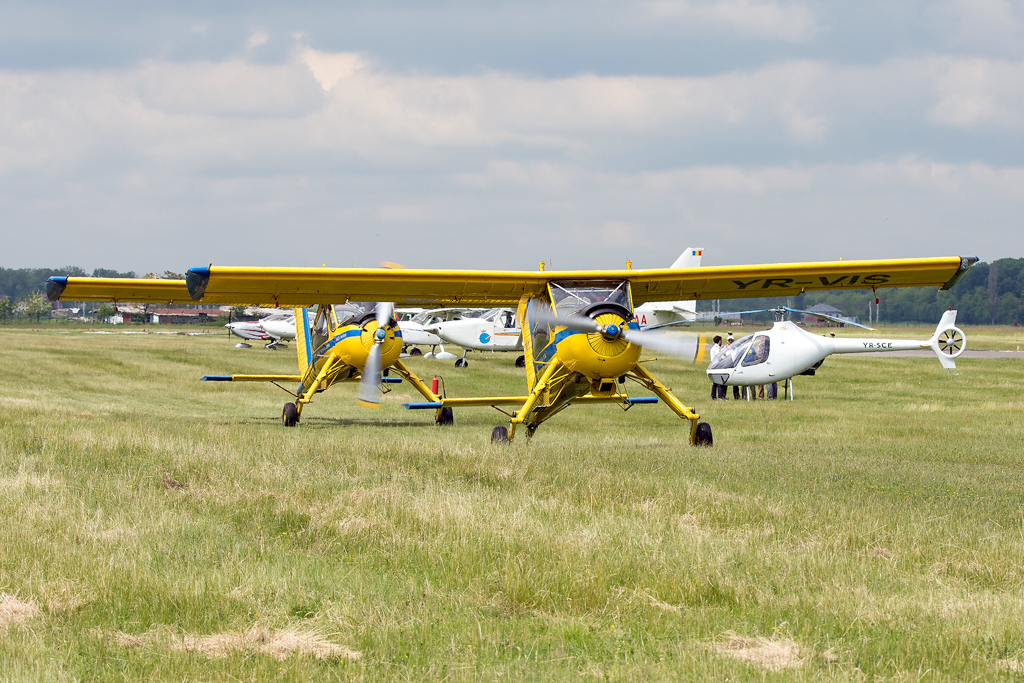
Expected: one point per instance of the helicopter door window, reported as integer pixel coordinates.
(757, 352)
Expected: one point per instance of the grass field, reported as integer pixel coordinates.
(155, 527)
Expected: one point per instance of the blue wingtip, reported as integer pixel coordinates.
(215, 378)
(196, 280)
(55, 287)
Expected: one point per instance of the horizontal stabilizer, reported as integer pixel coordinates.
(251, 378)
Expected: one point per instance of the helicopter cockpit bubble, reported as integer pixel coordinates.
(732, 354)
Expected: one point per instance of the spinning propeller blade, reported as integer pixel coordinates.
(574, 322)
(677, 346)
(368, 393)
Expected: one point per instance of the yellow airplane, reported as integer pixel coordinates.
(583, 343)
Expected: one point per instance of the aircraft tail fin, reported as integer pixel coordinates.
(303, 344)
(690, 258)
(949, 341)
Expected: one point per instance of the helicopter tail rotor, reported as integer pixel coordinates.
(949, 341)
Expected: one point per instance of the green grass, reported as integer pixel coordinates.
(874, 525)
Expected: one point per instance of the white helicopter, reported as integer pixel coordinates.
(786, 350)
(498, 330)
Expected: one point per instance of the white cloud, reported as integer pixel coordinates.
(978, 91)
(256, 39)
(329, 68)
(227, 157)
(764, 19)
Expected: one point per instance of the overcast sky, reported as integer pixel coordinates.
(497, 135)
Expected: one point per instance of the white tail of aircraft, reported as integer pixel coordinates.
(667, 312)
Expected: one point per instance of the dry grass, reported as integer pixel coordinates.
(280, 644)
(14, 611)
(774, 654)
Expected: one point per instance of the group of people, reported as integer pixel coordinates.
(718, 390)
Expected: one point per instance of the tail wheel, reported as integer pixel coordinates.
(447, 417)
(499, 435)
(703, 437)
(290, 415)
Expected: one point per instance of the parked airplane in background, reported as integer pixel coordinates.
(661, 313)
(495, 330)
(419, 331)
(498, 330)
(274, 329)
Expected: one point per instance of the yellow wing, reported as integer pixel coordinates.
(307, 286)
(117, 289)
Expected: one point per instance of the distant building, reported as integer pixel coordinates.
(178, 316)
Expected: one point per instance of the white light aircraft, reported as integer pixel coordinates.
(786, 350)
(419, 331)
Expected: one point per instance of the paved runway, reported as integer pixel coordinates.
(966, 354)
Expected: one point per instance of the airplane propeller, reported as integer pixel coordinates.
(673, 345)
(368, 393)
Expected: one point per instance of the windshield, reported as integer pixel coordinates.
(353, 309)
(571, 296)
(731, 354)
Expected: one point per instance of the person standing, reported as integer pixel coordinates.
(717, 390)
(735, 389)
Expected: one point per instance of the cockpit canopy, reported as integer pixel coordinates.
(749, 350)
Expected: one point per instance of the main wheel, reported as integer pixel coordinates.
(462, 363)
(704, 435)
(447, 417)
(415, 351)
(290, 415)
(771, 391)
(521, 362)
(499, 435)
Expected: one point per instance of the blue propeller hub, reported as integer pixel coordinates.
(380, 334)
(612, 331)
